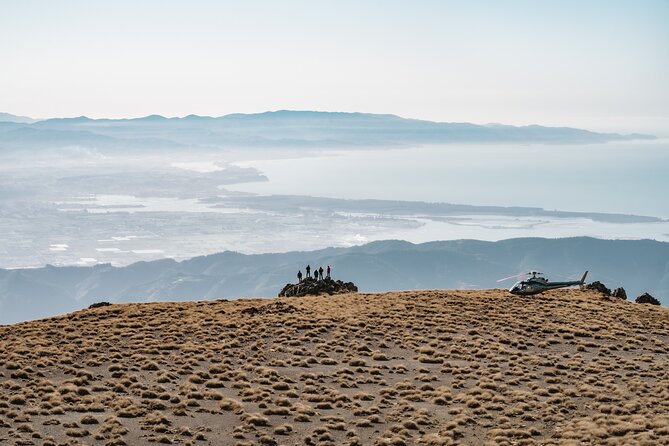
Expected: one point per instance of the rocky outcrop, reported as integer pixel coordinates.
(646, 298)
(619, 293)
(313, 287)
(99, 304)
(599, 286)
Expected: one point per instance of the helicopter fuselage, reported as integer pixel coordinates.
(538, 285)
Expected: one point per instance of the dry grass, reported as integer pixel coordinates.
(430, 367)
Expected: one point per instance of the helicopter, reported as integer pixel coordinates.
(536, 285)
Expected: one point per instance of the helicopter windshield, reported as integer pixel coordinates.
(518, 287)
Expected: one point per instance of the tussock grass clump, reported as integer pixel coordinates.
(231, 405)
(88, 419)
(254, 419)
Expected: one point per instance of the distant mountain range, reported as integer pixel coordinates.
(283, 128)
(638, 265)
(6, 117)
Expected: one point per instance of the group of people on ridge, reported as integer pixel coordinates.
(318, 273)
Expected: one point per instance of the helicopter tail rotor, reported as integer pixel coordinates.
(582, 282)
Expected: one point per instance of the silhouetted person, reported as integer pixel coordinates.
(320, 273)
(328, 272)
(299, 276)
(308, 268)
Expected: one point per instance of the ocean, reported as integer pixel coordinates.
(630, 177)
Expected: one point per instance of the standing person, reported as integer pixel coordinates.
(299, 276)
(308, 268)
(328, 272)
(320, 273)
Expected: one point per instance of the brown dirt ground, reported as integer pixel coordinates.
(420, 367)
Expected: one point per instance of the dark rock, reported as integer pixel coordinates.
(646, 298)
(619, 293)
(99, 304)
(313, 287)
(599, 286)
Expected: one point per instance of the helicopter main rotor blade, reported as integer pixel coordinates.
(514, 277)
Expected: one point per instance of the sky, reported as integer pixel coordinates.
(602, 65)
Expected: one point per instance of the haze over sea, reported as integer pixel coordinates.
(630, 177)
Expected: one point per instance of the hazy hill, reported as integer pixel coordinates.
(6, 117)
(278, 129)
(419, 367)
(637, 265)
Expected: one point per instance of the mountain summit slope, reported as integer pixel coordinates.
(420, 367)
